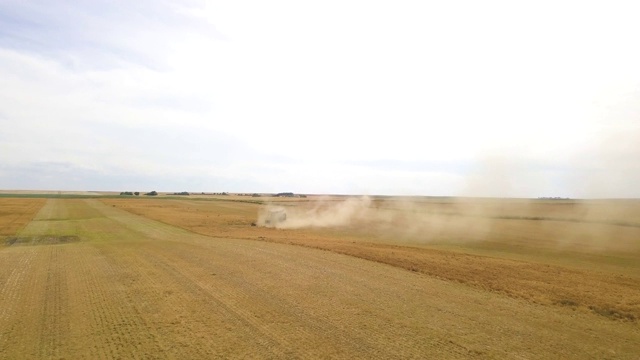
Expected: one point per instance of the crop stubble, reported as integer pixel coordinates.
(15, 213)
(136, 288)
(514, 256)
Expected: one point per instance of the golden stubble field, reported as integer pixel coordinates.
(184, 278)
(15, 213)
(581, 255)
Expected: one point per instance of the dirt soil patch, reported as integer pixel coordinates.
(41, 240)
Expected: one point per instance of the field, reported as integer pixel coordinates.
(16, 213)
(138, 278)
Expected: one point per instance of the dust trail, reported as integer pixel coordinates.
(553, 224)
(406, 218)
(322, 213)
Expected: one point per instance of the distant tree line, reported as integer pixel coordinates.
(185, 193)
(137, 193)
(289, 194)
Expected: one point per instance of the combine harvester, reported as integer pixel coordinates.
(275, 217)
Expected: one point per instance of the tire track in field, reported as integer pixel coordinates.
(342, 315)
(17, 264)
(54, 320)
(168, 299)
(109, 317)
(268, 313)
(321, 318)
(21, 298)
(13, 269)
(241, 318)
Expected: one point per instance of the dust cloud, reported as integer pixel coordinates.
(591, 205)
(611, 168)
(561, 224)
(322, 213)
(404, 218)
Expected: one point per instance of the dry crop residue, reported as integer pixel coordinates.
(136, 288)
(15, 213)
(517, 257)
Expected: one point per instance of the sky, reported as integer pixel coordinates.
(439, 98)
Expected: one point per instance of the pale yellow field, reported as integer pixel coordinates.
(587, 266)
(91, 279)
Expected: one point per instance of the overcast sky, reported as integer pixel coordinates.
(481, 98)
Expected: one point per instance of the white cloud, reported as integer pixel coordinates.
(296, 93)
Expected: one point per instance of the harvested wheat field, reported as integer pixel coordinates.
(177, 278)
(15, 213)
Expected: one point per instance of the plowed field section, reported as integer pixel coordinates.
(135, 288)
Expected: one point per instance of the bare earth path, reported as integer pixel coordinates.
(135, 288)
